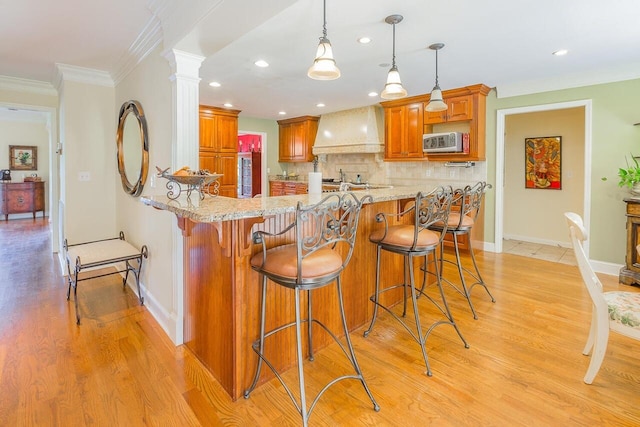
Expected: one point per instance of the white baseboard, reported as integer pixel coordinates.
(606, 267)
(166, 320)
(601, 267)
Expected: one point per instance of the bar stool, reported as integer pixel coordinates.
(325, 235)
(410, 241)
(465, 207)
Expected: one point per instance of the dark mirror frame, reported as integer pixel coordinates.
(133, 107)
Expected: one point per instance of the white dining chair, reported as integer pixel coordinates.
(615, 310)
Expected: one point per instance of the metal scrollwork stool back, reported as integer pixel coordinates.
(410, 241)
(325, 235)
(465, 206)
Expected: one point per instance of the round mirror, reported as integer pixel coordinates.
(133, 147)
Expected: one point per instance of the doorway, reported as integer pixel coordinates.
(501, 164)
(53, 176)
(252, 150)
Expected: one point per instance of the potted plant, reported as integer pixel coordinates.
(630, 176)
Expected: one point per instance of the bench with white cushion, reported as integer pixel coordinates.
(100, 253)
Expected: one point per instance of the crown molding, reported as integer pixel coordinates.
(66, 72)
(148, 39)
(25, 85)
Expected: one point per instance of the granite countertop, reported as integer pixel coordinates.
(219, 208)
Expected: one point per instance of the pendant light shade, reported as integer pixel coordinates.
(393, 88)
(436, 103)
(324, 66)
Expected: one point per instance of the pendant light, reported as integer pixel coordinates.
(324, 66)
(435, 102)
(393, 88)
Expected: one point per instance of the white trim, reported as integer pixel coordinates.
(82, 75)
(148, 39)
(166, 320)
(606, 267)
(185, 68)
(9, 114)
(500, 164)
(30, 86)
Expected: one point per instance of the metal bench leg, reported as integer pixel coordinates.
(75, 296)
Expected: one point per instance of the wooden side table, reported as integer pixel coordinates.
(630, 273)
(21, 197)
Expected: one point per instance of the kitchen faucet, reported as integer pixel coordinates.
(342, 176)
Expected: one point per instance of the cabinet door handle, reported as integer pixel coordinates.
(20, 199)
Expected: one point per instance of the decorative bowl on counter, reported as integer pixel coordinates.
(204, 182)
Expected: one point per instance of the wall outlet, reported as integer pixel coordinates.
(84, 176)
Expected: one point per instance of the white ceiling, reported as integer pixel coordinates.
(502, 43)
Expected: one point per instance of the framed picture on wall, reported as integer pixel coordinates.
(543, 161)
(23, 157)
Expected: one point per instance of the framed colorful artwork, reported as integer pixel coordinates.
(23, 157)
(543, 161)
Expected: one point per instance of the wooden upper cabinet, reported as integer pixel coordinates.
(459, 108)
(466, 113)
(403, 132)
(219, 129)
(297, 137)
(219, 146)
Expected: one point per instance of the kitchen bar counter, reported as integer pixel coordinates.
(213, 209)
(222, 292)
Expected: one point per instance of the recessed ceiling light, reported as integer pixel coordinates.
(364, 40)
(320, 104)
(228, 104)
(282, 113)
(261, 63)
(373, 93)
(561, 52)
(214, 84)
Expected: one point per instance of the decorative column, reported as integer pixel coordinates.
(185, 68)
(185, 78)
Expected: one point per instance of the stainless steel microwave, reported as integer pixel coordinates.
(449, 142)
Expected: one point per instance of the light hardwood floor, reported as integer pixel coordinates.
(524, 366)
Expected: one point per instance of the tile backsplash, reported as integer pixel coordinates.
(373, 169)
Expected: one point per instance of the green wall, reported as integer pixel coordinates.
(270, 127)
(614, 136)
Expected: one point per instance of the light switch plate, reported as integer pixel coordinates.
(84, 176)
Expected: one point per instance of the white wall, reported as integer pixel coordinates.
(149, 84)
(532, 214)
(87, 133)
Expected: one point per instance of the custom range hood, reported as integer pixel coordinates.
(359, 130)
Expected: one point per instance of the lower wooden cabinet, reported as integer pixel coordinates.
(284, 188)
(226, 164)
(21, 197)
